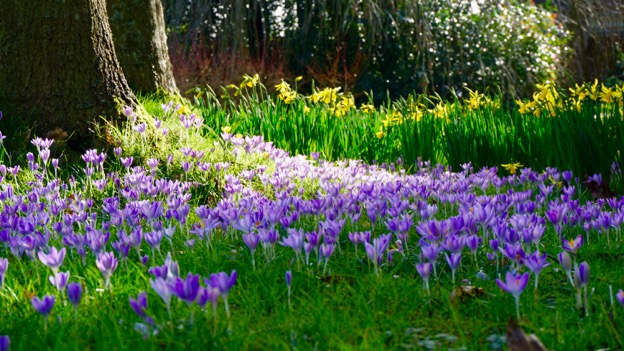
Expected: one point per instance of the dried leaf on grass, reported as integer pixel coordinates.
(466, 292)
(517, 340)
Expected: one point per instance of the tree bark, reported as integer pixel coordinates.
(141, 43)
(58, 67)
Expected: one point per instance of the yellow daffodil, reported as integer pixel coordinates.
(512, 167)
(226, 129)
(306, 109)
(606, 94)
(380, 134)
(367, 108)
(416, 115)
(327, 95)
(594, 94)
(282, 86)
(346, 103)
(396, 117)
(557, 183)
(440, 110)
(525, 107)
(298, 78)
(576, 104)
(288, 97)
(250, 82)
(183, 110)
(474, 101)
(579, 91)
(285, 93)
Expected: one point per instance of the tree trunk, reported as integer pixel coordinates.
(58, 68)
(141, 42)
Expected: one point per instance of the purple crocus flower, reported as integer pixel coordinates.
(209, 294)
(53, 259)
(5, 341)
(288, 284)
(152, 210)
(583, 274)
(154, 238)
(453, 261)
(135, 238)
(251, 240)
(43, 306)
(326, 251)
(4, 265)
(424, 269)
(572, 245)
(224, 283)
(454, 243)
(355, 239)
(140, 305)
(620, 297)
(376, 250)
(74, 295)
(566, 264)
(170, 269)
(162, 289)
(106, 263)
(473, 243)
(187, 289)
(431, 253)
(536, 262)
(515, 285)
(581, 281)
(59, 280)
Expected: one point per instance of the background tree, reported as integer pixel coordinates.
(141, 44)
(58, 68)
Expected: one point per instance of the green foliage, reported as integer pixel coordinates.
(501, 46)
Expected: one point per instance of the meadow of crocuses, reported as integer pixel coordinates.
(188, 239)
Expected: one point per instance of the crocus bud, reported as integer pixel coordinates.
(74, 293)
(5, 342)
(288, 278)
(583, 273)
(424, 269)
(620, 297)
(565, 261)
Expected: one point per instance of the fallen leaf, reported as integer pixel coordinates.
(466, 292)
(517, 340)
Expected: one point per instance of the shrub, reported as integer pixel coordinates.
(510, 45)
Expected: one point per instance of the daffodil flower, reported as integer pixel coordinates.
(512, 167)
(380, 134)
